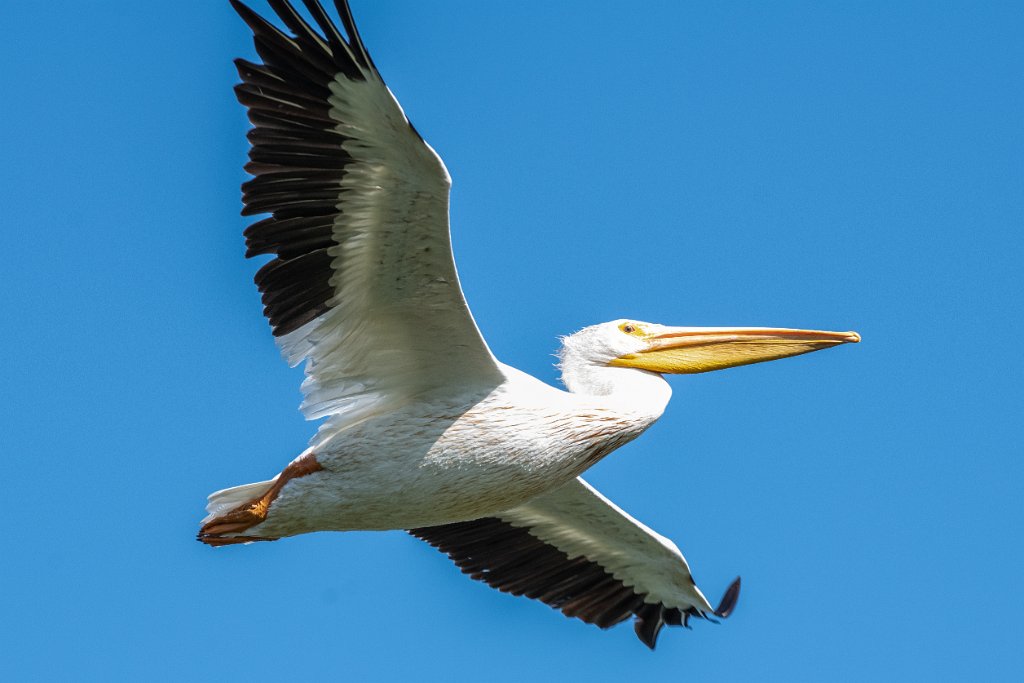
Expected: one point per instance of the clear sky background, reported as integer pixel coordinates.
(803, 164)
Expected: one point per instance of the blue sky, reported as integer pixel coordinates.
(838, 166)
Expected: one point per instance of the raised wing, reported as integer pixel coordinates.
(576, 551)
(363, 283)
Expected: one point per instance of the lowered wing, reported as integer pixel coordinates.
(576, 551)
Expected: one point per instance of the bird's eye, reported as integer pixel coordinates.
(628, 329)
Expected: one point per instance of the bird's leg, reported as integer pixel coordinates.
(253, 512)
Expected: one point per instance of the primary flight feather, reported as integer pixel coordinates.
(426, 430)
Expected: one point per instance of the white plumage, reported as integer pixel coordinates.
(426, 430)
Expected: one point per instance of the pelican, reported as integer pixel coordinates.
(425, 430)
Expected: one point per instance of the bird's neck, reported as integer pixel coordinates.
(625, 389)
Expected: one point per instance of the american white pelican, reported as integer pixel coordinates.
(427, 431)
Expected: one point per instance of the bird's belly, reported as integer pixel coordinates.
(435, 471)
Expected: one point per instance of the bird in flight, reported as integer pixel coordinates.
(425, 429)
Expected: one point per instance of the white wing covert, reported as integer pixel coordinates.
(576, 551)
(363, 284)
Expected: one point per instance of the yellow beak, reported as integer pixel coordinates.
(689, 350)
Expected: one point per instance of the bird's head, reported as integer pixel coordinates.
(681, 350)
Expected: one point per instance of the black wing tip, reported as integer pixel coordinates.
(650, 619)
(349, 22)
(729, 599)
(647, 635)
(248, 15)
(648, 623)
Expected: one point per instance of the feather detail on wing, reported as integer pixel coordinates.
(576, 551)
(363, 284)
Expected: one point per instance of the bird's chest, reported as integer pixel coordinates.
(520, 452)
